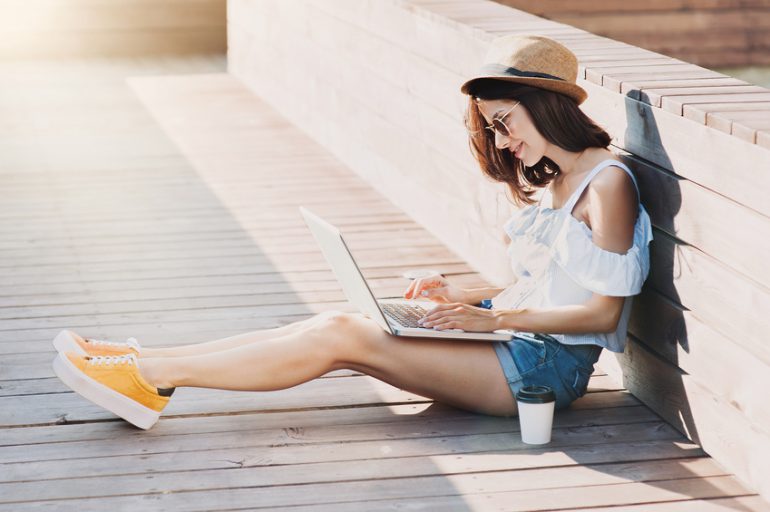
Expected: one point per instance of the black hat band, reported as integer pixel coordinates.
(499, 69)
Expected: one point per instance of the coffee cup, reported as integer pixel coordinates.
(536, 405)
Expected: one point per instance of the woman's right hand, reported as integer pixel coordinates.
(435, 288)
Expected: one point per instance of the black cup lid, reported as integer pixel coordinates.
(536, 395)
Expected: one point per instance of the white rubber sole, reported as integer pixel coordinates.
(103, 396)
(65, 342)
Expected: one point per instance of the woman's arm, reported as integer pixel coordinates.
(438, 289)
(599, 314)
(476, 295)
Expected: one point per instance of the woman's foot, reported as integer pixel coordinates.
(68, 341)
(114, 383)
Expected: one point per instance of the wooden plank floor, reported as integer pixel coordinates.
(166, 208)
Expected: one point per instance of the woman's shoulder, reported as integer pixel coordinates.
(608, 160)
(614, 180)
(614, 211)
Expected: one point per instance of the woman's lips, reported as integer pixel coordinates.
(518, 150)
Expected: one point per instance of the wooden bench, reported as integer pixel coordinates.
(377, 83)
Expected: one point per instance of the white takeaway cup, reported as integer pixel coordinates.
(536, 405)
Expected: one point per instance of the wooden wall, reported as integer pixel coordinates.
(97, 28)
(711, 33)
(377, 83)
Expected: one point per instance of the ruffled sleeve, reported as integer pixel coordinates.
(601, 271)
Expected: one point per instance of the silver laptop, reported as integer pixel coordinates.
(397, 316)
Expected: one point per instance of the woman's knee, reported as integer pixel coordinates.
(347, 335)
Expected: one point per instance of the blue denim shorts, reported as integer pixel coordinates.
(543, 360)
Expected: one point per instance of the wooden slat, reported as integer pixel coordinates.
(528, 501)
(454, 438)
(633, 88)
(185, 433)
(672, 69)
(675, 104)
(724, 120)
(656, 96)
(747, 129)
(748, 504)
(456, 489)
(361, 469)
(763, 138)
(702, 113)
(258, 281)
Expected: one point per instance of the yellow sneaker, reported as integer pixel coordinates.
(114, 383)
(68, 341)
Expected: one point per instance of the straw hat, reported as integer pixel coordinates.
(536, 61)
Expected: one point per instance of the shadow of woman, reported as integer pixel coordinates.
(657, 329)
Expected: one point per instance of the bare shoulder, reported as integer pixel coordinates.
(612, 209)
(613, 184)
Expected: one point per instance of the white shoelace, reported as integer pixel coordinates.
(129, 359)
(131, 342)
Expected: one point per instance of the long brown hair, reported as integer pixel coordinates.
(556, 117)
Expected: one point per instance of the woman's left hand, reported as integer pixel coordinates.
(460, 316)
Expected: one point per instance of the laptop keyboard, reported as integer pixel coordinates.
(405, 314)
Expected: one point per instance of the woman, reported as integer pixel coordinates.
(576, 263)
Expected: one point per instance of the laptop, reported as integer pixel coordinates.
(397, 316)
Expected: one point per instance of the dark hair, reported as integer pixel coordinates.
(556, 117)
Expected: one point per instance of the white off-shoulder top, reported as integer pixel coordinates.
(557, 264)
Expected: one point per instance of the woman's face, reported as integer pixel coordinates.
(522, 130)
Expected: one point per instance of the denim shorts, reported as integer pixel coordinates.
(545, 361)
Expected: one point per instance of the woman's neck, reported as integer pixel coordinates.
(567, 161)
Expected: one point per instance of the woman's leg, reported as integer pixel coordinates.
(232, 341)
(464, 374)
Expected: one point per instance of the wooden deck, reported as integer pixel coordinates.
(166, 208)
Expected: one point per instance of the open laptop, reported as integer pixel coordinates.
(397, 316)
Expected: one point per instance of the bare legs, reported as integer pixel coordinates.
(232, 341)
(462, 374)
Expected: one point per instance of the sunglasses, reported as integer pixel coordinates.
(498, 125)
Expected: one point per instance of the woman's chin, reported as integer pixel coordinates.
(528, 161)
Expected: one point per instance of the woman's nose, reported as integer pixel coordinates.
(501, 141)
